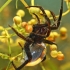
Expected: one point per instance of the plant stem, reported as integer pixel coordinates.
(5, 5)
(32, 2)
(8, 65)
(16, 4)
(43, 68)
(25, 4)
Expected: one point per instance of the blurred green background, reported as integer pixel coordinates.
(9, 12)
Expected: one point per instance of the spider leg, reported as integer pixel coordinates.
(21, 36)
(37, 18)
(57, 22)
(53, 15)
(28, 53)
(49, 42)
(20, 45)
(44, 59)
(45, 15)
(14, 65)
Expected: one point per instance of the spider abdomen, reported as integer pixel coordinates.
(38, 50)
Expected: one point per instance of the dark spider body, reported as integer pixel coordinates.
(36, 39)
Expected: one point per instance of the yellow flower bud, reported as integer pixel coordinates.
(53, 47)
(54, 53)
(17, 19)
(55, 34)
(23, 24)
(34, 10)
(47, 13)
(28, 28)
(20, 13)
(3, 33)
(60, 56)
(63, 33)
(63, 30)
(51, 37)
(33, 21)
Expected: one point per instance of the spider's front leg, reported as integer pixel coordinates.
(46, 18)
(57, 22)
(21, 36)
(37, 18)
(45, 15)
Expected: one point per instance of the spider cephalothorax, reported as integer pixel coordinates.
(35, 42)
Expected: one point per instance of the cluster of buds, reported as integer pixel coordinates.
(52, 37)
(39, 13)
(56, 54)
(26, 25)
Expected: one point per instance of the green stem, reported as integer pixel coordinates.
(5, 5)
(25, 4)
(43, 68)
(32, 2)
(51, 65)
(8, 65)
(16, 4)
(9, 46)
(8, 38)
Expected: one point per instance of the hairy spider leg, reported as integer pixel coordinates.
(37, 18)
(21, 36)
(45, 15)
(27, 50)
(48, 42)
(14, 65)
(26, 47)
(53, 15)
(20, 45)
(57, 22)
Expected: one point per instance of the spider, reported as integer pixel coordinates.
(35, 42)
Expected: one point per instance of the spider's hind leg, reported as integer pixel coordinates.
(28, 59)
(29, 56)
(14, 65)
(57, 22)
